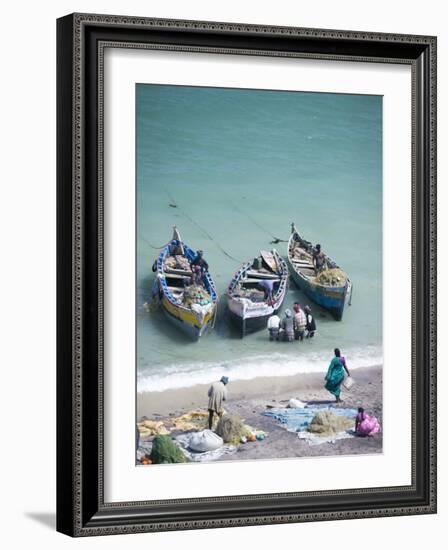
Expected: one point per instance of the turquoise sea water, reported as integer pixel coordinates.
(241, 165)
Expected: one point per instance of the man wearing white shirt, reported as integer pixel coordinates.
(273, 327)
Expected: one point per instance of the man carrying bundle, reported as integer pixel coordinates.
(217, 394)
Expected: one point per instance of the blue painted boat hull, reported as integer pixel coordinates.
(330, 298)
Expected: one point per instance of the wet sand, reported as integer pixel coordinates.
(249, 398)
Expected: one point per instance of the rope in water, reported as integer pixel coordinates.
(152, 246)
(207, 234)
(275, 240)
(204, 231)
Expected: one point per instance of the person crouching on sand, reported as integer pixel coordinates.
(335, 375)
(217, 394)
(366, 425)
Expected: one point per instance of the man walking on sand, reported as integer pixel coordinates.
(217, 393)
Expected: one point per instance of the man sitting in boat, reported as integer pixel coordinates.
(318, 259)
(274, 327)
(310, 323)
(299, 321)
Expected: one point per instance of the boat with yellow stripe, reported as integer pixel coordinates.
(189, 301)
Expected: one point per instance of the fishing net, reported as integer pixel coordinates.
(252, 294)
(196, 294)
(194, 420)
(230, 428)
(147, 428)
(333, 277)
(325, 424)
(165, 451)
(177, 261)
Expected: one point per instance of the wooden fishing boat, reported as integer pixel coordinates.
(248, 305)
(330, 288)
(191, 307)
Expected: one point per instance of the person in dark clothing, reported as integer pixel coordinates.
(267, 287)
(199, 266)
(318, 259)
(199, 260)
(310, 323)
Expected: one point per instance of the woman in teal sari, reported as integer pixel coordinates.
(335, 375)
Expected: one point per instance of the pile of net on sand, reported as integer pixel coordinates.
(148, 428)
(196, 294)
(326, 424)
(177, 262)
(193, 420)
(230, 428)
(165, 451)
(333, 277)
(233, 430)
(252, 294)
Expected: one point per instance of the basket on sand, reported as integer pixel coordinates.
(325, 424)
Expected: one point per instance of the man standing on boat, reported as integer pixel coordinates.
(199, 266)
(318, 259)
(217, 394)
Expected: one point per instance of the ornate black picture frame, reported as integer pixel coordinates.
(81, 509)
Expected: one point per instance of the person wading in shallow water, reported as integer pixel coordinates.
(310, 323)
(217, 394)
(335, 375)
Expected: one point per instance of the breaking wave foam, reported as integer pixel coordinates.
(247, 368)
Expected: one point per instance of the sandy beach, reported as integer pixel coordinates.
(250, 398)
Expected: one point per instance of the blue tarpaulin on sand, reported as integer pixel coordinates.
(298, 420)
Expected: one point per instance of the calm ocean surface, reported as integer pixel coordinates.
(241, 165)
